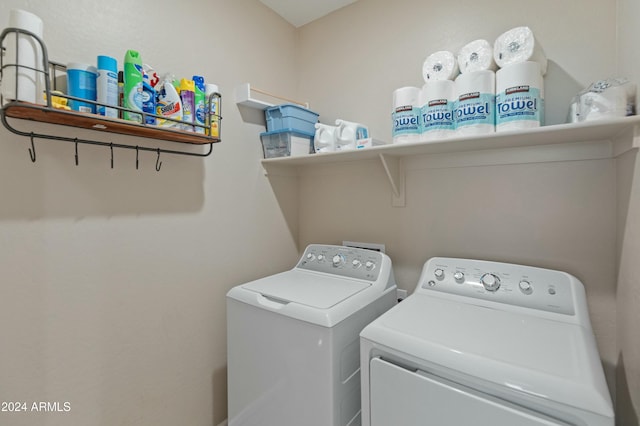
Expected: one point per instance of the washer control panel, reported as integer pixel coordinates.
(343, 261)
(525, 286)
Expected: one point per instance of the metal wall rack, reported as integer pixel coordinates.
(47, 113)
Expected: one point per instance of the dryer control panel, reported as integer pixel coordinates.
(509, 284)
(343, 261)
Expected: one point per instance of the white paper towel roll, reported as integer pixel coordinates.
(475, 103)
(28, 54)
(436, 118)
(476, 56)
(519, 45)
(406, 115)
(519, 96)
(440, 65)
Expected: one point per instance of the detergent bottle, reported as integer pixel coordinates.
(325, 138)
(169, 104)
(347, 134)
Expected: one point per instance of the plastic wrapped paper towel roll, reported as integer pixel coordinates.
(436, 118)
(29, 54)
(440, 65)
(518, 45)
(476, 56)
(406, 115)
(519, 97)
(605, 99)
(475, 103)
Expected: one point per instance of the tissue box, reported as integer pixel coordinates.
(286, 142)
(290, 116)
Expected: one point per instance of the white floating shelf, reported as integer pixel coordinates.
(619, 135)
(243, 97)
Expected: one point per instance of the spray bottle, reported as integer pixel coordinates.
(200, 110)
(169, 104)
(133, 85)
(187, 94)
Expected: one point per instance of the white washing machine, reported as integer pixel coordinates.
(485, 344)
(293, 338)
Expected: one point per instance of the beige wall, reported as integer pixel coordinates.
(628, 294)
(112, 282)
(559, 215)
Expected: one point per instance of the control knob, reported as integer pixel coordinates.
(458, 276)
(525, 287)
(490, 282)
(369, 265)
(338, 260)
(439, 273)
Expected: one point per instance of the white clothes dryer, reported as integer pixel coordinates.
(293, 338)
(485, 344)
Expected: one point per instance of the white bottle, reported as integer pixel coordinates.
(347, 134)
(107, 86)
(324, 139)
(169, 104)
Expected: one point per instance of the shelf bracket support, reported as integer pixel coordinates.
(394, 168)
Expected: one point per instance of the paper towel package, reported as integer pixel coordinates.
(519, 45)
(406, 115)
(474, 108)
(440, 65)
(605, 99)
(28, 57)
(476, 56)
(436, 118)
(519, 97)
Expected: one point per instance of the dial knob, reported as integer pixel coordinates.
(369, 265)
(320, 257)
(458, 276)
(490, 282)
(337, 260)
(356, 263)
(311, 257)
(439, 273)
(525, 287)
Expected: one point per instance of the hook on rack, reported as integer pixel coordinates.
(137, 152)
(111, 147)
(32, 150)
(76, 141)
(158, 162)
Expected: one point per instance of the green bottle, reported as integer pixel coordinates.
(133, 85)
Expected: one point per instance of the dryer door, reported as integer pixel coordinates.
(415, 398)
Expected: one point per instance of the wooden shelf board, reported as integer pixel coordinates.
(33, 112)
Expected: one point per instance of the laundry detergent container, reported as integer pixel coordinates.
(293, 338)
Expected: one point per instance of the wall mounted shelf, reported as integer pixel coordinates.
(44, 114)
(614, 137)
(45, 71)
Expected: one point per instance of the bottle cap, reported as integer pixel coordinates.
(107, 63)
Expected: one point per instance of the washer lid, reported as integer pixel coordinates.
(519, 352)
(311, 289)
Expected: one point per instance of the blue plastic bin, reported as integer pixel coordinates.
(290, 116)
